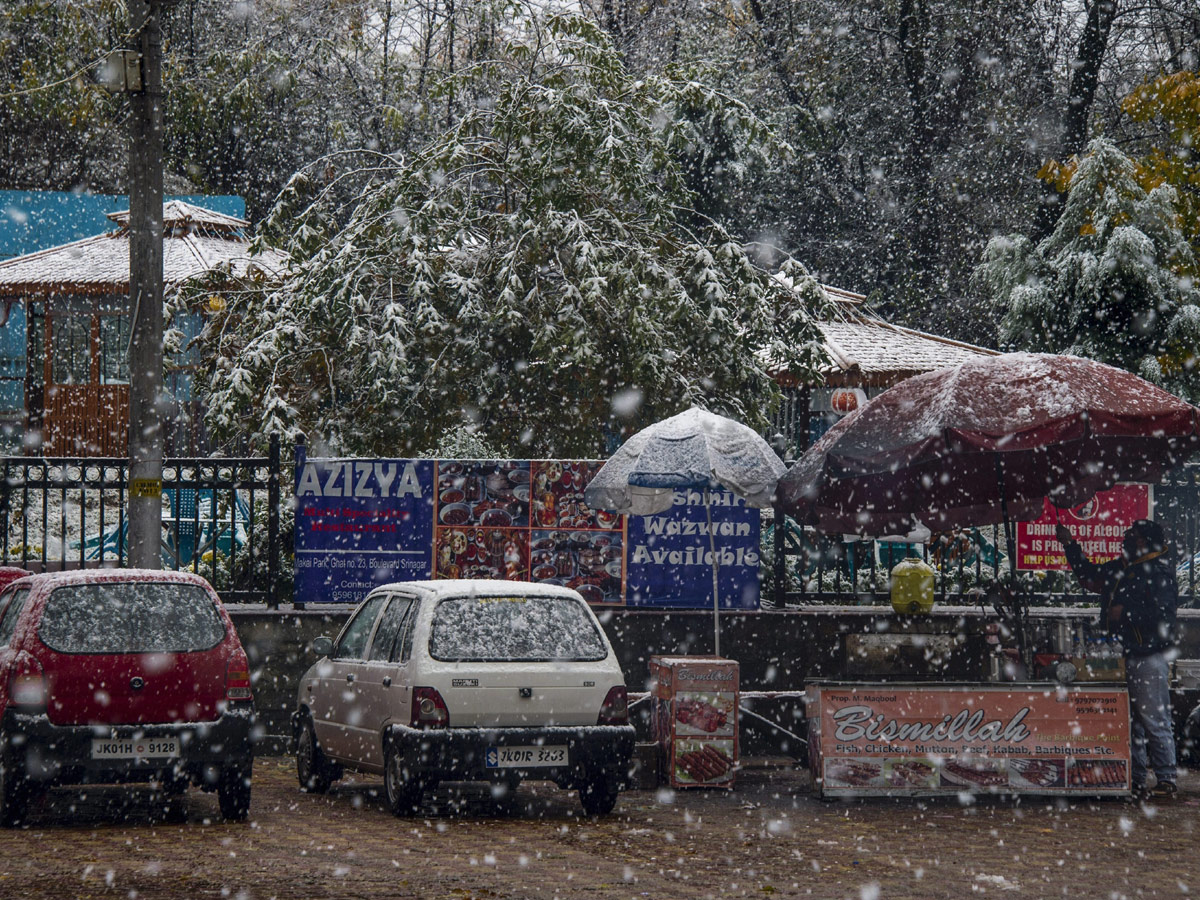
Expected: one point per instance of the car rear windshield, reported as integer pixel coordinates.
(131, 617)
(514, 629)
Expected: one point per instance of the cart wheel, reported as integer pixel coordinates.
(1189, 749)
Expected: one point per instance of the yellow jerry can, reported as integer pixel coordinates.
(912, 587)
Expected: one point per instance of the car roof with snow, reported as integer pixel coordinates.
(478, 587)
(92, 576)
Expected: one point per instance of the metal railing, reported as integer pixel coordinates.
(818, 568)
(221, 518)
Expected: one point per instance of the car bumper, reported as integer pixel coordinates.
(62, 754)
(463, 754)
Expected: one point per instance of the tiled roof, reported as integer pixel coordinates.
(197, 240)
(177, 212)
(865, 350)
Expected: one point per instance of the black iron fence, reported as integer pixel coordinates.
(810, 567)
(226, 519)
(221, 518)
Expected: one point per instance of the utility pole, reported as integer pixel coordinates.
(146, 291)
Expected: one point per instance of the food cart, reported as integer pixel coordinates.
(987, 442)
(695, 719)
(923, 711)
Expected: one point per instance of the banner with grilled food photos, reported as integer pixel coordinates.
(360, 523)
(895, 740)
(694, 718)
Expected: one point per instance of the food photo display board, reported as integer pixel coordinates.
(694, 719)
(898, 740)
(365, 522)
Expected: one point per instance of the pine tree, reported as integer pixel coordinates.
(1112, 282)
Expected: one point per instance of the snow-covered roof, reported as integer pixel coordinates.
(177, 213)
(866, 350)
(109, 576)
(479, 587)
(195, 240)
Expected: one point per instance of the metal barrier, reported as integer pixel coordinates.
(221, 518)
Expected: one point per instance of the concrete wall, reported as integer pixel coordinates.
(778, 651)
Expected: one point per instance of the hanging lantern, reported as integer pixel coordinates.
(846, 400)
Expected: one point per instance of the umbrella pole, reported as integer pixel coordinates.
(1018, 604)
(712, 549)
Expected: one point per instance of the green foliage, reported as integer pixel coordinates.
(462, 442)
(254, 92)
(1173, 103)
(58, 126)
(1112, 282)
(537, 271)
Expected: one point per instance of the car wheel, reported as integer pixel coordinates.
(598, 796)
(14, 796)
(403, 793)
(313, 770)
(233, 793)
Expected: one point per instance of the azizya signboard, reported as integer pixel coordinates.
(364, 522)
(894, 739)
(1099, 525)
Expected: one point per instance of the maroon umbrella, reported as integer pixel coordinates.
(985, 442)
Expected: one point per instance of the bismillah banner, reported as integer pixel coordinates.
(928, 739)
(364, 522)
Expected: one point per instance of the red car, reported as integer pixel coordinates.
(9, 574)
(121, 675)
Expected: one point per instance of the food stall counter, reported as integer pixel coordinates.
(921, 739)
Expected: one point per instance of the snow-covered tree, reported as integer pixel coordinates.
(1113, 282)
(1170, 105)
(538, 272)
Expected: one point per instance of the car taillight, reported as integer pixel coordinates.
(27, 682)
(615, 709)
(237, 678)
(429, 709)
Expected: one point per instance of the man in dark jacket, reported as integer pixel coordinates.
(1139, 595)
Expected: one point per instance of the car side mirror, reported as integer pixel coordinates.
(322, 646)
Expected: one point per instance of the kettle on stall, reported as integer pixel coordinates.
(912, 587)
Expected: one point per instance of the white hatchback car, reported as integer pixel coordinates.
(493, 681)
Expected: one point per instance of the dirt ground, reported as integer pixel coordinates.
(770, 837)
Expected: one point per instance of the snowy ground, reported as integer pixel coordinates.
(770, 837)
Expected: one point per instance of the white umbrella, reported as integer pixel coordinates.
(695, 449)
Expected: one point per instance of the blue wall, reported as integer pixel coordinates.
(35, 220)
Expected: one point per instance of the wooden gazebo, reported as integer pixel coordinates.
(77, 320)
(866, 355)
